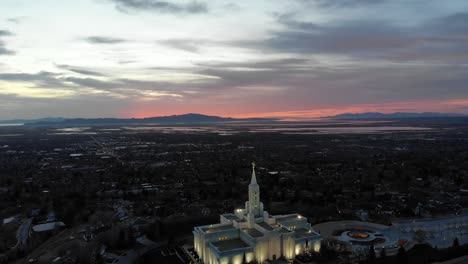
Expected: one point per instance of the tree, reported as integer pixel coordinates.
(121, 243)
(383, 253)
(420, 236)
(371, 255)
(402, 256)
(383, 256)
(456, 243)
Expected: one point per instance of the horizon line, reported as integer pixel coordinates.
(273, 115)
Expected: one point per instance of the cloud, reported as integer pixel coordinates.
(289, 63)
(348, 37)
(5, 33)
(126, 61)
(209, 79)
(28, 77)
(196, 45)
(43, 79)
(3, 49)
(89, 82)
(79, 70)
(440, 39)
(14, 106)
(454, 23)
(232, 7)
(51, 80)
(57, 86)
(279, 84)
(189, 45)
(190, 7)
(104, 40)
(85, 85)
(344, 3)
(130, 88)
(259, 76)
(16, 20)
(297, 83)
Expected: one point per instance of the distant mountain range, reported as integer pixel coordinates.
(376, 115)
(27, 121)
(173, 119)
(206, 119)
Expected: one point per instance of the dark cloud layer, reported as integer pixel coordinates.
(3, 49)
(297, 81)
(344, 3)
(87, 105)
(42, 79)
(5, 33)
(25, 77)
(442, 39)
(190, 7)
(51, 80)
(190, 45)
(104, 40)
(16, 20)
(455, 23)
(79, 70)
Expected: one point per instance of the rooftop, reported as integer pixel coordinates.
(231, 217)
(227, 245)
(284, 218)
(304, 232)
(253, 232)
(266, 226)
(217, 228)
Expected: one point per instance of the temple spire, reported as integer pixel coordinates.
(255, 207)
(254, 177)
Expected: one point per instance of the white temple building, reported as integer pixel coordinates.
(252, 234)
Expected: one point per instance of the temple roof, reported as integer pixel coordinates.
(232, 217)
(217, 228)
(253, 232)
(231, 244)
(290, 217)
(266, 226)
(304, 232)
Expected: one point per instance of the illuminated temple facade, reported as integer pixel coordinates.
(252, 234)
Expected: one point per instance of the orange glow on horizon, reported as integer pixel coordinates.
(447, 106)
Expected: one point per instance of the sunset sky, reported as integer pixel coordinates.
(244, 58)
